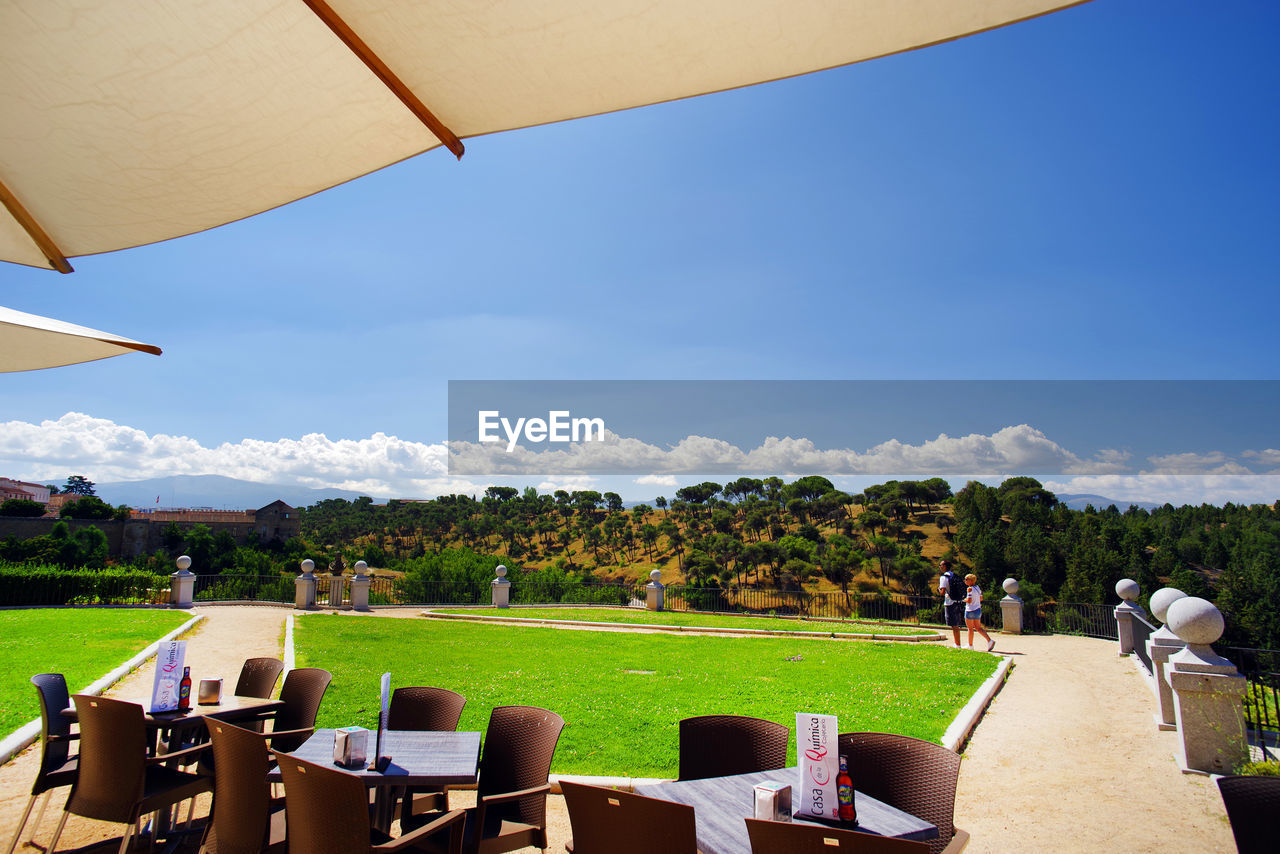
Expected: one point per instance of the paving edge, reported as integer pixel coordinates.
(21, 738)
(967, 718)
(542, 621)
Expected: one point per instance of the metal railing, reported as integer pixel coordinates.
(276, 589)
(1141, 633)
(1261, 667)
(896, 607)
(1071, 618)
(83, 588)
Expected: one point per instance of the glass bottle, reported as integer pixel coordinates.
(844, 793)
(184, 689)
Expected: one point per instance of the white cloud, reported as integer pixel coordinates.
(1015, 449)
(106, 452)
(667, 480)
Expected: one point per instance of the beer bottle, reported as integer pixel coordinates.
(184, 689)
(844, 793)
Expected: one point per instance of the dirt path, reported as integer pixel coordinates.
(1066, 759)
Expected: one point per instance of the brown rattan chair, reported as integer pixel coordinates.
(1252, 804)
(117, 781)
(915, 776)
(606, 821)
(425, 709)
(511, 797)
(245, 818)
(57, 765)
(720, 745)
(301, 694)
(784, 837)
(327, 812)
(258, 677)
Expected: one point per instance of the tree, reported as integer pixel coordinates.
(88, 507)
(23, 507)
(78, 484)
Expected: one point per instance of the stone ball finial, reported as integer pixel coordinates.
(1162, 599)
(362, 568)
(183, 562)
(1011, 586)
(1127, 589)
(308, 566)
(1197, 621)
(655, 576)
(501, 571)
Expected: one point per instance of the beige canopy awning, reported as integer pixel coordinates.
(29, 342)
(124, 123)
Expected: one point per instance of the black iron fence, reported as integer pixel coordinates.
(1262, 701)
(243, 588)
(86, 587)
(1141, 634)
(1070, 618)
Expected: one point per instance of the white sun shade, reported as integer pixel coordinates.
(29, 342)
(124, 123)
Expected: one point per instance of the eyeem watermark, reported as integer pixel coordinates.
(558, 426)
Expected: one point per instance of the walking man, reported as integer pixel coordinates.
(952, 606)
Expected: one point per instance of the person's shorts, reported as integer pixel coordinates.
(973, 615)
(954, 613)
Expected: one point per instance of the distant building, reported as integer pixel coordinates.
(276, 521)
(36, 492)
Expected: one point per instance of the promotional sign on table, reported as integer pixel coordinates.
(169, 658)
(819, 764)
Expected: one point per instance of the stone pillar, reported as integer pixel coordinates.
(501, 588)
(360, 587)
(304, 586)
(1011, 609)
(336, 586)
(1162, 644)
(653, 595)
(1127, 589)
(1209, 692)
(182, 584)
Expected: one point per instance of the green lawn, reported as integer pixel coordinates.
(621, 694)
(689, 619)
(83, 644)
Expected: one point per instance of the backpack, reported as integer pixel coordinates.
(953, 586)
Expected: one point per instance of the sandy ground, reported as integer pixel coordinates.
(1066, 759)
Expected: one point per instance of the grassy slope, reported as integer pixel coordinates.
(622, 694)
(81, 643)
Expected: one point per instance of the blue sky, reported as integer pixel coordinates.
(1089, 195)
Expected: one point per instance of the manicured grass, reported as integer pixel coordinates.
(636, 616)
(83, 644)
(622, 694)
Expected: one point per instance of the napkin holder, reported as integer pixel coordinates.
(773, 801)
(210, 692)
(350, 746)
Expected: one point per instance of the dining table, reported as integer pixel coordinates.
(417, 758)
(721, 805)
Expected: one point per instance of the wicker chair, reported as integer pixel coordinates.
(301, 694)
(327, 812)
(606, 821)
(916, 776)
(117, 781)
(425, 709)
(258, 677)
(1252, 804)
(784, 837)
(245, 818)
(721, 745)
(511, 797)
(57, 765)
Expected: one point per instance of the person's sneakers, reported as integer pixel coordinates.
(991, 645)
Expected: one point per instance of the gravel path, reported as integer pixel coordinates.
(1066, 759)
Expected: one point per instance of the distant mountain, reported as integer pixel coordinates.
(1079, 502)
(209, 490)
